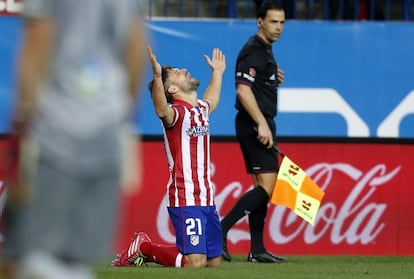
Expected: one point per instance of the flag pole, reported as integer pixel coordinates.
(275, 148)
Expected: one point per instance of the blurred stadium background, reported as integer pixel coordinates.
(353, 58)
(295, 9)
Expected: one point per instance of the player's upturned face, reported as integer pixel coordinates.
(271, 27)
(182, 78)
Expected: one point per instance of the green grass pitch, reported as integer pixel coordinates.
(299, 267)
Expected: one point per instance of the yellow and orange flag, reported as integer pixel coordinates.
(296, 190)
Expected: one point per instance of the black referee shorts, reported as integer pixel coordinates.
(257, 157)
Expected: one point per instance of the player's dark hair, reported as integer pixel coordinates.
(165, 70)
(267, 5)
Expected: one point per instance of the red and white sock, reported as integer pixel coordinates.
(163, 255)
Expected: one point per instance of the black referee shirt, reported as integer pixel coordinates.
(256, 67)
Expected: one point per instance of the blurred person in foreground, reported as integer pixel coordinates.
(190, 191)
(257, 78)
(79, 70)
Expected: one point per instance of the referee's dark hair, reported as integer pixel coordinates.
(268, 5)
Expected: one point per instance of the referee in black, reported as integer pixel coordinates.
(257, 79)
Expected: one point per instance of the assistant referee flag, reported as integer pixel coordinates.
(296, 190)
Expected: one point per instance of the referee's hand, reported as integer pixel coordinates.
(265, 136)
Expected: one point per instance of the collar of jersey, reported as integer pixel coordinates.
(183, 103)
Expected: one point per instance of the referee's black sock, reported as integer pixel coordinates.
(245, 205)
(256, 224)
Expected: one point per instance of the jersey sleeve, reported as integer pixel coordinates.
(176, 117)
(246, 70)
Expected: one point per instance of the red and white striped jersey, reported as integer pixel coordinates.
(187, 146)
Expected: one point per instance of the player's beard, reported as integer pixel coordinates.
(194, 83)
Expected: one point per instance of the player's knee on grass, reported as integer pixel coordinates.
(195, 260)
(214, 262)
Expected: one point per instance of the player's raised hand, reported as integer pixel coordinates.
(217, 61)
(156, 67)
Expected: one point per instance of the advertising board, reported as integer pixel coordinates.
(366, 209)
(10, 7)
